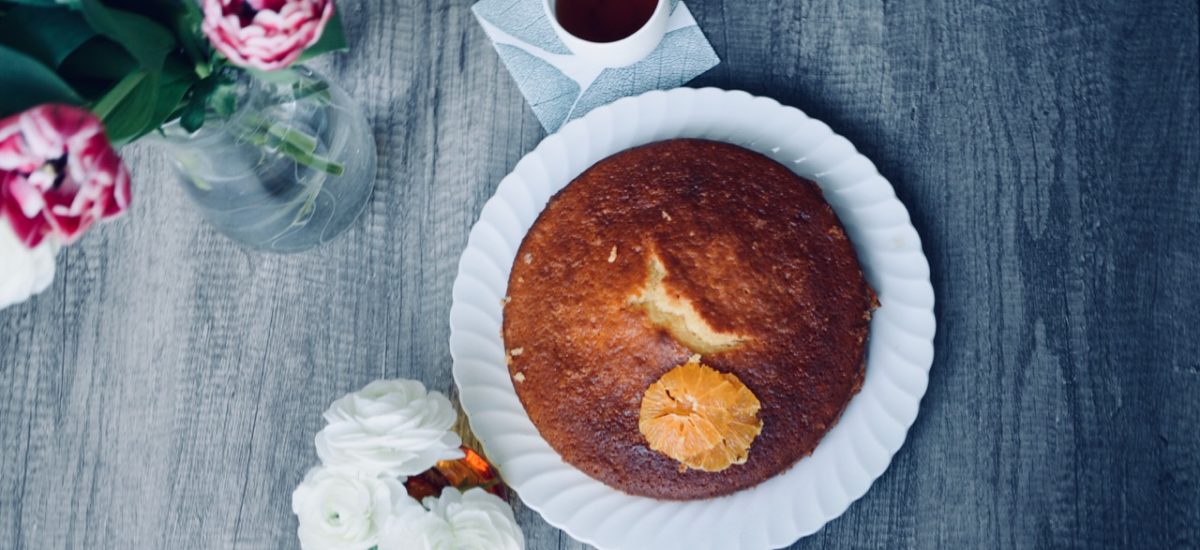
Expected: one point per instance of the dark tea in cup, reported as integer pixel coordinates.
(603, 20)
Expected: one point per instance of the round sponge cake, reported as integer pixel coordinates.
(669, 250)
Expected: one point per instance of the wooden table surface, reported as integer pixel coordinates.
(165, 391)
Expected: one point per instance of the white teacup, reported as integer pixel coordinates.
(619, 53)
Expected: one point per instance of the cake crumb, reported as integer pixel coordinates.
(519, 377)
(527, 258)
(517, 351)
(505, 300)
(612, 256)
(666, 216)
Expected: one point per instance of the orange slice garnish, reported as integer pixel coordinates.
(704, 419)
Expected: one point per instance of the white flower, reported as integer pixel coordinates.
(390, 427)
(345, 510)
(417, 529)
(23, 272)
(474, 520)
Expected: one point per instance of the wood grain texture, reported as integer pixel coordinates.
(165, 391)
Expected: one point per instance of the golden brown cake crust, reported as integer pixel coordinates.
(758, 252)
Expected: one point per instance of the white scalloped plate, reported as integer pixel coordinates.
(852, 455)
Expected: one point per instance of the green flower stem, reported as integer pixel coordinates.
(298, 139)
(315, 162)
(316, 89)
(297, 145)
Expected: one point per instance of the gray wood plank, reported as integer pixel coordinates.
(165, 391)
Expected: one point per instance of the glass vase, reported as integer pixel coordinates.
(287, 166)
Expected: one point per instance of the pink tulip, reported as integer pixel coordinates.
(58, 174)
(264, 34)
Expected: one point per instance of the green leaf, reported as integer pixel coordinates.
(192, 117)
(107, 104)
(96, 66)
(187, 29)
(27, 83)
(99, 58)
(122, 117)
(48, 35)
(129, 107)
(333, 39)
(161, 11)
(181, 17)
(45, 3)
(147, 41)
(177, 79)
